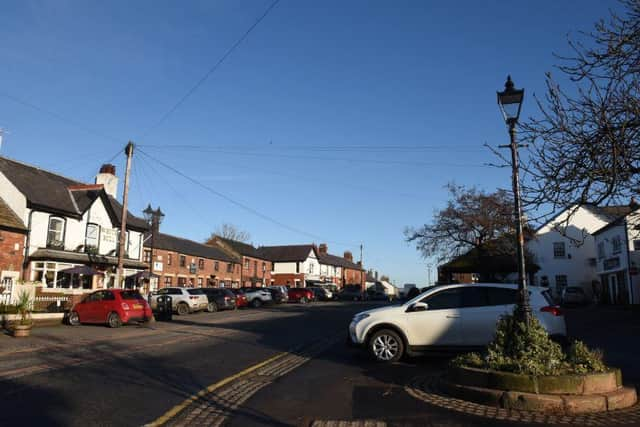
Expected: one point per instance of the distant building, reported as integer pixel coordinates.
(256, 269)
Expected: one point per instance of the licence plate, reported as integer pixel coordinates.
(137, 306)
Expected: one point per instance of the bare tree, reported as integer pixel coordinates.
(584, 146)
(471, 219)
(231, 232)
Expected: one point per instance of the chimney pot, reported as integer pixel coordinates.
(323, 248)
(348, 256)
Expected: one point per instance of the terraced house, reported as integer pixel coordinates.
(256, 269)
(342, 270)
(72, 228)
(183, 262)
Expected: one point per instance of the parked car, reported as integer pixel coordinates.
(183, 300)
(219, 299)
(376, 295)
(450, 316)
(112, 307)
(574, 295)
(352, 293)
(241, 298)
(321, 293)
(277, 295)
(332, 287)
(257, 297)
(284, 292)
(301, 295)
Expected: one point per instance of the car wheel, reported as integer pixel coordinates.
(212, 307)
(303, 300)
(114, 320)
(257, 302)
(74, 318)
(386, 346)
(183, 309)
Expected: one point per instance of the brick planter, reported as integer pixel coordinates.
(570, 394)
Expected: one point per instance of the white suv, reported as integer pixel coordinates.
(447, 317)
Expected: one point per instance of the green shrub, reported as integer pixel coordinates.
(518, 349)
(582, 360)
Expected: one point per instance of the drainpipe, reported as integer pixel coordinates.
(25, 262)
(626, 237)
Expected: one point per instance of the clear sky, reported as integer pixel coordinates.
(340, 119)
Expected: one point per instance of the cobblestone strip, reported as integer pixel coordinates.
(213, 408)
(342, 423)
(426, 389)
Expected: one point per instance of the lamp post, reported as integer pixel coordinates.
(510, 102)
(154, 219)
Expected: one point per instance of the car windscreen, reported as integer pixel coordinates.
(131, 295)
(195, 291)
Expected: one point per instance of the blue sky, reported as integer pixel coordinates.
(344, 120)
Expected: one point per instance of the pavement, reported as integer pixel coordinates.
(277, 366)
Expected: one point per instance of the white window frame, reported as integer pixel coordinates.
(61, 231)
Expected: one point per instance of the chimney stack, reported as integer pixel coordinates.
(107, 177)
(348, 256)
(322, 249)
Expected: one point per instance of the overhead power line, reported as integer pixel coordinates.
(327, 148)
(242, 205)
(211, 70)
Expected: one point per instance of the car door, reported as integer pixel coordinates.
(440, 323)
(482, 308)
(84, 308)
(105, 306)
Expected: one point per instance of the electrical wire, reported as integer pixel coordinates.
(328, 148)
(211, 70)
(242, 205)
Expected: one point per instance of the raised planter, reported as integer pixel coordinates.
(570, 394)
(20, 331)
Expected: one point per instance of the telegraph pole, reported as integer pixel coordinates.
(123, 225)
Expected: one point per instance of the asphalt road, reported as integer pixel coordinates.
(293, 359)
(134, 380)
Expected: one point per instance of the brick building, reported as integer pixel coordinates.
(183, 262)
(256, 269)
(292, 265)
(12, 238)
(339, 270)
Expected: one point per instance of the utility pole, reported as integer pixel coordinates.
(123, 225)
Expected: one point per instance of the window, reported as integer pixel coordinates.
(559, 250)
(616, 244)
(264, 267)
(474, 297)
(183, 261)
(636, 245)
(182, 281)
(168, 259)
(92, 237)
(501, 296)
(310, 268)
(255, 267)
(200, 281)
(449, 298)
(167, 280)
(201, 264)
(147, 256)
(561, 282)
(601, 249)
(246, 264)
(229, 268)
(55, 233)
(216, 266)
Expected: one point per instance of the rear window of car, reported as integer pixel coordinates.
(195, 291)
(131, 295)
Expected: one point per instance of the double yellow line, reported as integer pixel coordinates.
(167, 416)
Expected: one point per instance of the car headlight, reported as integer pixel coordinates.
(359, 317)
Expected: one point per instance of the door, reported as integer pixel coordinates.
(440, 323)
(84, 309)
(482, 308)
(613, 289)
(105, 306)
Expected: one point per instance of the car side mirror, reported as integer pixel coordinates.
(418, 306)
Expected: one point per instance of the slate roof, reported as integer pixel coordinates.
(242, 248)
(9, 220)
(55, 193)
(287, 253)
(329, 259)
(190, 247)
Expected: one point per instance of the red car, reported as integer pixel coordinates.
(301, 295)
(241, 298)
(112, 307)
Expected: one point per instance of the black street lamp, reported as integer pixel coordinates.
(510, 102)
(154, 219)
